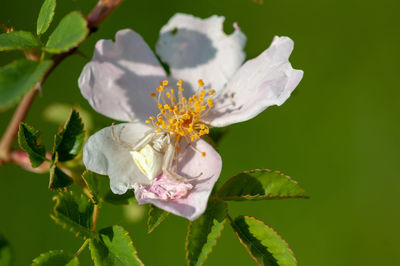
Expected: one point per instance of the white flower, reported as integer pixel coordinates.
(121, 80)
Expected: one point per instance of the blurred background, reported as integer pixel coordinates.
(338, 135)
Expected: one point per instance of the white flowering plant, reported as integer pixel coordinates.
(163, 153)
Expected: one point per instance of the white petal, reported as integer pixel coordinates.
(103, 155)
(196, 48)
(191, 165)
(119, 79)
(266, 80)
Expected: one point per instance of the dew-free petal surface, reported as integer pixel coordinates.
(266, 80)
(105, 156)
(118, 80)
(191, 165)
(196, 48)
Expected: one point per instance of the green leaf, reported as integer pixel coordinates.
(68, 141)
(155, 217)
(5, 252)
(71, 31)
(98, 185)
(204, 232)
(19, 77)
(46, 15)
(260, 184)
(55, 257)
(29, 141)
(56, 113)
(58, 179)
(18, 40)
(262, 242)
(73, 212)
(114, 247)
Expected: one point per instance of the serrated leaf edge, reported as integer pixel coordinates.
(130, 241)
(87, 185)
(247, 248)
(216, 239)
(65, 225)
(51, 19)
(77, 44)
(50, 252)
(149, 230)
(19, 141)
(260, 196)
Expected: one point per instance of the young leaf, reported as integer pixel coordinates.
(114, 247)
(58, 179)
(18, 40)
(155, 217)
(74, 212)
(69, 141)
(260, 184)
(98, 185)
(19, 77)
(46, 15)
(265, 246)
(71, 31)
(5, 252)
(29, 141)
(204, 232)
(55, 257)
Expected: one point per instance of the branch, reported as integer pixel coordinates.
(98, 14)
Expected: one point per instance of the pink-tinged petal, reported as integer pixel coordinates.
(266, 80)
(162, 188)
(103, 155)
(191, 165)
(196, 48)
(119, 79)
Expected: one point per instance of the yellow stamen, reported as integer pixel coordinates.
(201, 83)
(182, 116)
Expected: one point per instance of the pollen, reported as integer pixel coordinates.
(180, 116)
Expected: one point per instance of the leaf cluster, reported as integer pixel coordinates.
(20, 76)
(262, 242)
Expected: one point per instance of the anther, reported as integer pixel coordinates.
(201, 83)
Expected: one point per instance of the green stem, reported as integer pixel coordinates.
(95, 216)
(82, 247)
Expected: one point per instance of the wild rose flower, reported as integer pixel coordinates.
(159, 151)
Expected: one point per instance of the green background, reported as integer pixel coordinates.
(338, 135)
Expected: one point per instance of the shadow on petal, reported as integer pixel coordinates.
(186, 48)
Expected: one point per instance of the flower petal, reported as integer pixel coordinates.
(119, 79)
(103, 155)
(196, 48)
(266, 80)
(191, 165)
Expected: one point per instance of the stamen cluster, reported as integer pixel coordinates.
(180, 116)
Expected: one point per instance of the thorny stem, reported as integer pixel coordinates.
(100, 12)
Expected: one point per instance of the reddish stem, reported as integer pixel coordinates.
(100, 12)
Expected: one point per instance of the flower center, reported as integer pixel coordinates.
(179, 116)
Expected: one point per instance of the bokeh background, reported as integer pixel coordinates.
(338, 135)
